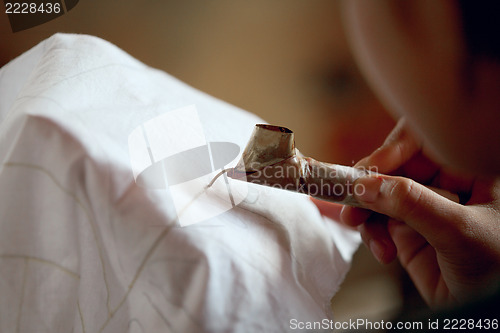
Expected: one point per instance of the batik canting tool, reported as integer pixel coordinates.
(271, 159)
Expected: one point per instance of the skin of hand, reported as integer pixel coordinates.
(450, 249)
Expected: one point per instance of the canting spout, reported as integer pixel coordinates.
(268, 145)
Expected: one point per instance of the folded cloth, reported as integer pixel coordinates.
(85, 247)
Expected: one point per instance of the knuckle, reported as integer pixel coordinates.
(405, 197)
(466, 227)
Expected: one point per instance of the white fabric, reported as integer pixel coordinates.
(83, 248)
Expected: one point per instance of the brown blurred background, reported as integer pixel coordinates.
(285, 60)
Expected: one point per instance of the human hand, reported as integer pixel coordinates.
(450, 249)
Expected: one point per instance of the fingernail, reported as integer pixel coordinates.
(367, 189)
(377, 249)
(360, 162)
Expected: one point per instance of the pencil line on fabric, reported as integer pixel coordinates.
(79, 202)
(40, 260)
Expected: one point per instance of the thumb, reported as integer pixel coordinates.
(403, 199)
